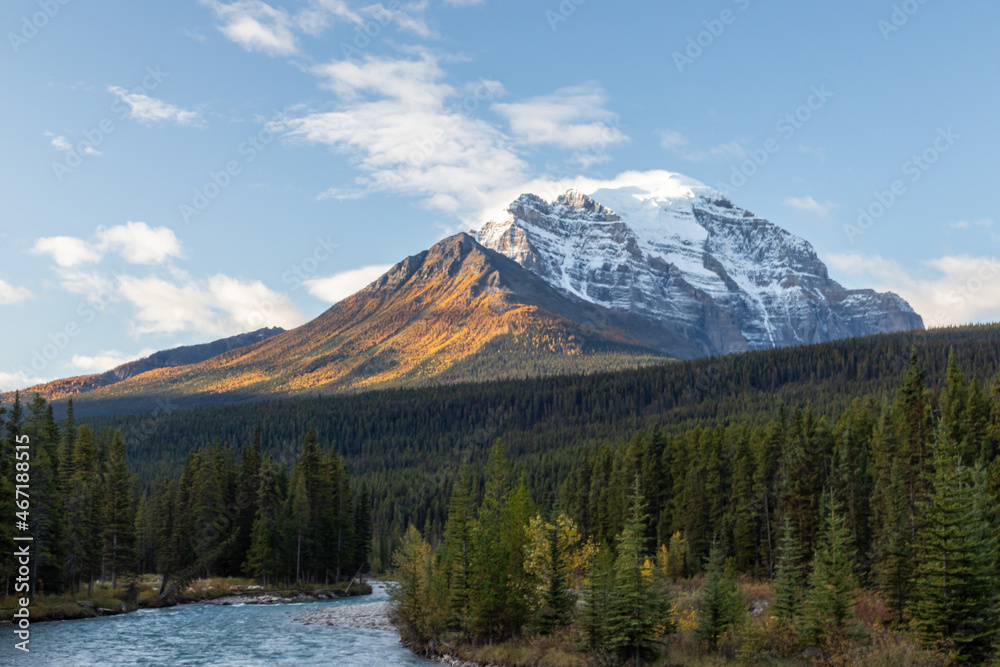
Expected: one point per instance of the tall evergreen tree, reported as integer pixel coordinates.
(832, 591)
(633, 612)
(957, 582)
(721, 607)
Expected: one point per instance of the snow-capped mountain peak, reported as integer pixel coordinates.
(675, 251)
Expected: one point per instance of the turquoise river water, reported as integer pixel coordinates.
(198, 634)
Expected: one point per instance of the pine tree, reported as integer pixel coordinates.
(721, 607)
(787, 577)
(595, 593)
(455, 550)
(263, 556)
(558, 603)
(893, 559)
(632, 611)
(490, 557)
(118, 513)
(832, 590)
(957, 581)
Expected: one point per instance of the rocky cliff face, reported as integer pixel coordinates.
(683, 256)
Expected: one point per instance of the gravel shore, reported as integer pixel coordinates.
(368, 616)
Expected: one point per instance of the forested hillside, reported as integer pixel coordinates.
(405, 443)
(867, 465)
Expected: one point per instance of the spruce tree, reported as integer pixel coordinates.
(787, 577)
(832, 590)
(118, 514)
(957, 581)
(893, 558)
(633, 612)
(721, 607)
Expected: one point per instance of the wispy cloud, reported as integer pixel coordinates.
(400, 124)
(573, 117)
(19, 380)
(274, 30)
(675, 142)
(809, 205)
(981, 223)
(218, 306)
(949, 290)
(11, 294)
(61, 143)
(105, 360)
(146, 109)
(135, 242)
(341, 285)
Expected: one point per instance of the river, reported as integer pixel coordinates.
(201, 634)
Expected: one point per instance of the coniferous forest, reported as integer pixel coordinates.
(789, 527)
(228, 513)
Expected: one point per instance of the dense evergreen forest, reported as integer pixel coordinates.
(901, 498)
(867, 466)
(228, 513)
(406, 445)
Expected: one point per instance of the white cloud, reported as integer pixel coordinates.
(572, 117)
(809, 205)
(676, 142)
(218, 306)
(146, 109)
(11, 294)
(256, 26)
(660, 182)
(67, 251)
(464, 3)
(138, 243)
(105, 360)
(135, 242)
(19, 380)
(61, 143)
(954, 289)
(342, 285)
(396, 123)
(982, 223)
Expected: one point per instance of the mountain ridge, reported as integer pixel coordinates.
(683, 255)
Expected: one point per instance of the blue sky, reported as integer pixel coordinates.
(176, 172)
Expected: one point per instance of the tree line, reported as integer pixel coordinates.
(900, 497)
(229, 513)
(404, 444)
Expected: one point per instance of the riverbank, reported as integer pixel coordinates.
(105, 602)
(377, 616)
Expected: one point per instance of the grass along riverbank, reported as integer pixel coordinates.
(218, 590)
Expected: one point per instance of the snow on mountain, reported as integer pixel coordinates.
(675, 251)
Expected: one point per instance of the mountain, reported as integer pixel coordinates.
(681, 255)
(457, 311)
(178, 356)
(657, 269)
